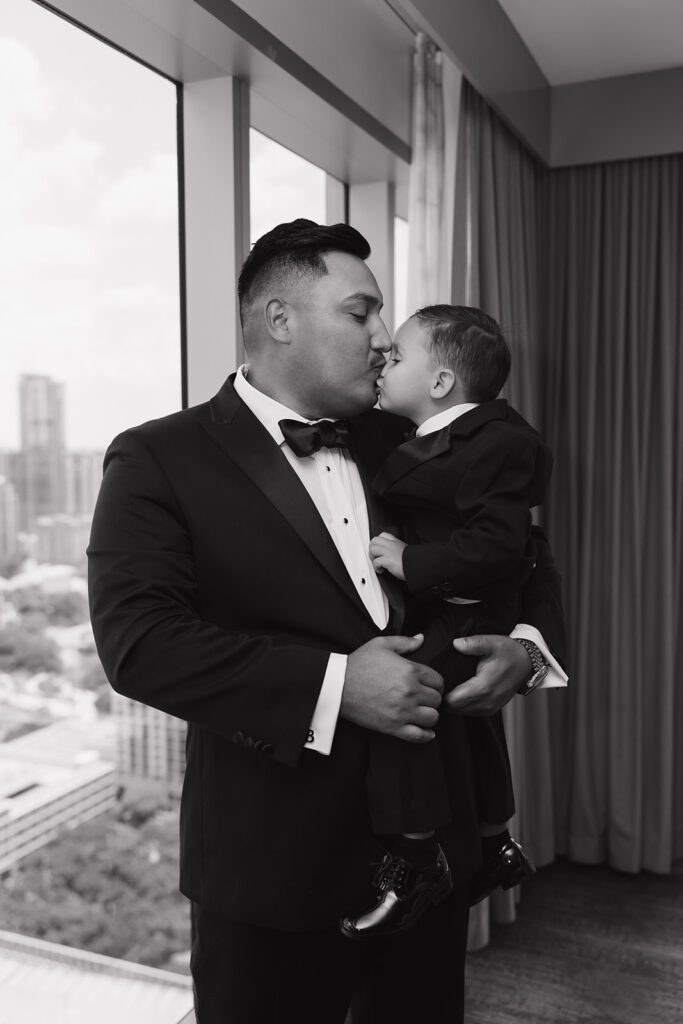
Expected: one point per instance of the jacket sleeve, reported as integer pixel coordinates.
(155, 646)
(541, 599)
(491, 502)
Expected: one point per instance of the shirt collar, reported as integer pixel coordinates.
(267, 410)
(442, 419)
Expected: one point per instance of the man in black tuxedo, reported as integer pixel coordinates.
(231, 586)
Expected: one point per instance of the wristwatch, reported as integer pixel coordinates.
(539, 666)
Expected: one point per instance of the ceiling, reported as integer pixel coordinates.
(582, 40)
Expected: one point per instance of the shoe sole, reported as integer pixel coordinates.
(439, 894)
(510, 884)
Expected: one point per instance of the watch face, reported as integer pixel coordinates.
(534, 680)
(537, 678)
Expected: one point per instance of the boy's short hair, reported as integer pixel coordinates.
(294, 248)
(471, 344)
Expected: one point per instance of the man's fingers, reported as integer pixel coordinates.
(462, 695)
(475, 646)
(403, 644)
(429, 697)
(430, 677)
(472, 698)
(426, 718)
(413, 734)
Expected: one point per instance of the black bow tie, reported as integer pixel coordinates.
(307, 438)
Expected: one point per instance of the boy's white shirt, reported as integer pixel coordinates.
(333, 483)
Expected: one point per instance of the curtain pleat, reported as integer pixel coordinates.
(583, 268)
(498, 262)
(614, 316)
(426, 250)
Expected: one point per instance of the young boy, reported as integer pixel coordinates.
(463, 487)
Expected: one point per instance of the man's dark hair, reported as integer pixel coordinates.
(296, 247)
(471, 344)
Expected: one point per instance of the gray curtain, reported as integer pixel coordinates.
(499, 259)
(584, 269)
(615, 380)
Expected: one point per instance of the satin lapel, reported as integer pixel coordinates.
(409, 455)
(378, 516)
(240, 435)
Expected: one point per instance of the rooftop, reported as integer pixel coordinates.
(44, 981)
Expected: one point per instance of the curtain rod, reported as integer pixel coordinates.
(401, 15)
(412, 26)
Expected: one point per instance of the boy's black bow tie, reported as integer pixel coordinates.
(307, 438)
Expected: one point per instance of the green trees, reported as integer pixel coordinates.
(28, 650)
(63, 608)
(107, 886)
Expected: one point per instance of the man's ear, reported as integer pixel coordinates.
(442, 384)
(277, 322)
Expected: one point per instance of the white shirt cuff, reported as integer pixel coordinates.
(556, 675)
(324, 721)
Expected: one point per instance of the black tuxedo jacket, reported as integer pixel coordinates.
(217, 596)
(466, 492)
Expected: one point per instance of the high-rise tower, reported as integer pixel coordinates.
(40, 463)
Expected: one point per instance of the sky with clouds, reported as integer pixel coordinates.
(88, 220)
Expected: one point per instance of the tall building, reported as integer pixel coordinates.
(40, 464)
(82, 478)
(9, 520)
(62, 539)
(150, 744)
(49, 782)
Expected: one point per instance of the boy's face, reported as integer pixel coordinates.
(409, 373)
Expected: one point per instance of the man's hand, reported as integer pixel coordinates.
(386, 553)
(503, 666)
(386, 692)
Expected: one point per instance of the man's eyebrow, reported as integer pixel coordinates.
(372, 300)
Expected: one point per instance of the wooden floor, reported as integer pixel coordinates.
(590, 946)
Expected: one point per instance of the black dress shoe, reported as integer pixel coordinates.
(405, 893)
(509, 867)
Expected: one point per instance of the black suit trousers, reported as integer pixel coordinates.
(248, 975)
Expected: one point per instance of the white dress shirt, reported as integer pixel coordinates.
(333, 482)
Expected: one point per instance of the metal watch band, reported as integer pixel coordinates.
(539, 666)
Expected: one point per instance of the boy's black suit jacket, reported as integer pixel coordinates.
(466, 491)
(217, 596)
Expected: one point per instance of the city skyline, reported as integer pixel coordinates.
(47, 491)
(89, 219)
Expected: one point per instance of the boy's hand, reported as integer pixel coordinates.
(386, 553)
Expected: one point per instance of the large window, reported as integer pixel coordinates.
(401, 311)
(282, 185)
(90, 327)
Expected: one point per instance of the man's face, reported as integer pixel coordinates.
(338, 340)
(404, 385)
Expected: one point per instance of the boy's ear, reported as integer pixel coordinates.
(276, 320)
(442, 384)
